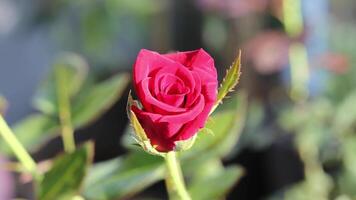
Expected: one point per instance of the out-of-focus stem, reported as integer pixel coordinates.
(292, 17)
(20, 152)
(298, 60)
(64, 111)
(298, 57)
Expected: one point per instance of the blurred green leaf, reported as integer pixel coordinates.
(349, 150)
(316, 186)
(256, 134)
(33, 131)
(36, 129)
(217, 185)
(345, 116)
(295, 118)
(226, 127)
(346, 183)
(65, 177)
(197, 171)
(73, 69)
(139, 7)
(95, 100)
(123, 177)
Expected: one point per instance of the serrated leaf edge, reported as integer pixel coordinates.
(229, 82)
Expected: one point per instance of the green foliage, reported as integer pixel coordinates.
(345, 122)
(128, 175)
(226, 127)
(65, 177)
(96, 100)
(185, 144)
(73, 69)
(35, 129)
(216, 185)
(325, 136)
(87, 103)
(123, 177)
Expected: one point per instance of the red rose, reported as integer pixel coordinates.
(177, 92)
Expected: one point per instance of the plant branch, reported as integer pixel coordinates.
(174, 178)
(20, 152)
(64, 111)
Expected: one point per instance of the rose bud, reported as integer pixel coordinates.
(177, 92)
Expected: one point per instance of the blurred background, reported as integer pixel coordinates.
(299, 137)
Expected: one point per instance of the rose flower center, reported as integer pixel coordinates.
(172, 90)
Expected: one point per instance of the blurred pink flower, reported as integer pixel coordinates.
(336, 63)
(6, 182)
(268, 51)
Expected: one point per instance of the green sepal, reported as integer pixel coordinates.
(139, 134)
(230, 80)
(184, 145)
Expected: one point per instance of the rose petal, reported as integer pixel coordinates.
(205, 75)
(195, 59)
(148, 62)
(186, 116)
(161, 81)
(210, 92)
(151, 104)
(174, 100)
(193, 127)
(178, 70)
(170, 84)
(192, 97)
(158, 133)
(177, 92)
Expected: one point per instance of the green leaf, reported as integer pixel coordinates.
(345, 116)
(96, 100)
(36, 129)
(73, 70)
(217, 185)
(317, 185)
(226, 127)
(123, 177)
(65, 177)
(203, 169)
(139, 134)
(33, 131)
(230, 80)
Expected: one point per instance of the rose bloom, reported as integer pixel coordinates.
(177, 92)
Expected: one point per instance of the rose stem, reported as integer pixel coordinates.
(174, 178)
(20, 152)
(64, 111)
